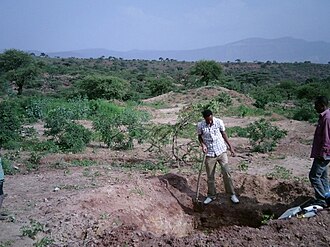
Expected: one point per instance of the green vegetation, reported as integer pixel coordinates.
(79, 101)
(7, 243)
(266, 218)
(32, 230)
(207, 72)
(19, 67)
(264, 136)
(280, 172)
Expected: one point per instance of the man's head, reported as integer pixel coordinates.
(208, 116)
(321, 104)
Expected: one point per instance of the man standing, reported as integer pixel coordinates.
(318, 174)
(214, 142)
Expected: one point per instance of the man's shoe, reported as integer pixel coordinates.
(234, 199)
(208, 200)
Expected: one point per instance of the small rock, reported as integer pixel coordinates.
(56, 189)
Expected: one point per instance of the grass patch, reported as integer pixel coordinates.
(243, 166)
(157, 105)
(280, 172)
(146, 166)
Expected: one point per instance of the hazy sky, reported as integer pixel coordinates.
(62, 25)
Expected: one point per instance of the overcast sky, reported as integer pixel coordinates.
(122, 25)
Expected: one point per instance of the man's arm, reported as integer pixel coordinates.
(326, 138)
(201, 141)
(225, 137)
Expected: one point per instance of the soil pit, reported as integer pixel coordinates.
(261, 199)
(220, 222)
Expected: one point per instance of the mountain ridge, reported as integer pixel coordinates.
(284, 49)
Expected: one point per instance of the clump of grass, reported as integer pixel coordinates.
(280, 172)
(32, 230)
(243, 166)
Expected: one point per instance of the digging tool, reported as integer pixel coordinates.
(196, 200)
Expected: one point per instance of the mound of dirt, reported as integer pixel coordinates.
(199, 94)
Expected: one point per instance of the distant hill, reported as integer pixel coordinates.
(253, 49)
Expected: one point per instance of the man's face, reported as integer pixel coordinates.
(319, 107)
(209, 119)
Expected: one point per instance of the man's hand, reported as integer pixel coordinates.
(232, 151)
(204, 148)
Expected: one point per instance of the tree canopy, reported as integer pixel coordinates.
(207, 71)
(18, 67)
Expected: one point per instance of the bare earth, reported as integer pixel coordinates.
(107, 205)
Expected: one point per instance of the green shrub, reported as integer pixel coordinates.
(56, 120)
(41, 146)
(119, 127)
(224, 98)
(34, 161)
(160, 86)
(105, 87)
(35, 109)
(264, 136)
(237, 131)
(305, 112)
(74, 138)
(7, 166)
(10, 123)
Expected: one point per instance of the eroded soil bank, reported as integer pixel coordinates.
(120, 208)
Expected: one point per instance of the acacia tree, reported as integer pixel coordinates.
(207, 70)
(19, 67)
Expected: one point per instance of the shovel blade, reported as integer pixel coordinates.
(198, 205)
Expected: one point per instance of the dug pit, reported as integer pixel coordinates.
(261, 200)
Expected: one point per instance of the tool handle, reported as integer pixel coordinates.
(199, 176)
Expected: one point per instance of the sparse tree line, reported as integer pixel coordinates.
(60, 93)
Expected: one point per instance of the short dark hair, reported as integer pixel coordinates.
(207, 113)
(322, 100)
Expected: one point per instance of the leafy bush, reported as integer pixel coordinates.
(68, 135)
(224, 98)
(266, 95)
(120, 126)
(10, 123)
(56, 121)
(74, 138)
(38, 108)
(264, 136)
(237, 131)
(217, 104)
(105, 87)
(41, 146)
(160, 86)
(305, 112)
(35, 108)
(34, 161)
(7, 166)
